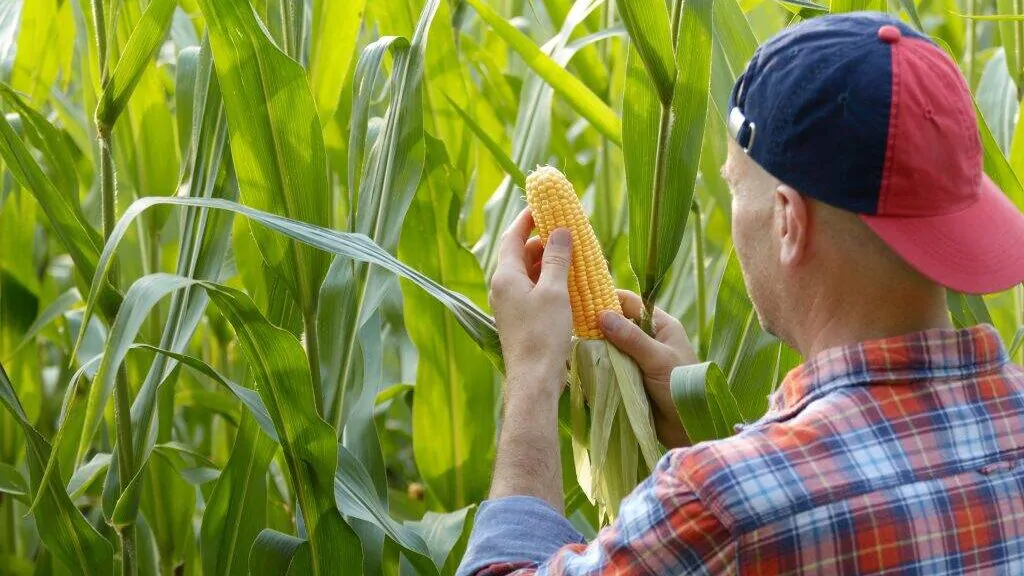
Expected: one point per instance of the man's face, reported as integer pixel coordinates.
(757, 247)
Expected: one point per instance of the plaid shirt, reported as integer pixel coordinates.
(898, 456)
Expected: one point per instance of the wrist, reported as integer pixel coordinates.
(537, 383)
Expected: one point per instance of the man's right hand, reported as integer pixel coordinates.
(657, 357)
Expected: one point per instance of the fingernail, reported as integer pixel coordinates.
(560, 237)
(610, 321)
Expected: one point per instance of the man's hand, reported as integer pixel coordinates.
(656, 357)
(530, 299)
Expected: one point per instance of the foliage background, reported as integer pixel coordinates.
(210, 362)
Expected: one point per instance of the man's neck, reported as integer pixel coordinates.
(850, 319)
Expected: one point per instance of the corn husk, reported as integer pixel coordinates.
(613, 438)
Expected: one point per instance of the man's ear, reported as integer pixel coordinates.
(791, 224)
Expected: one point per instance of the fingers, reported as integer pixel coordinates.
(534, 253)
(512, 251)
(632, 304)
(557, 257)
(666, 328)
(629, 338)
(633, 308)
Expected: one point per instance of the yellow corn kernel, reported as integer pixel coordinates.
(555, 205)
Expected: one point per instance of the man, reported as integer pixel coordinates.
(858, 196)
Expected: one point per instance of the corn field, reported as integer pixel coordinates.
(245, 248)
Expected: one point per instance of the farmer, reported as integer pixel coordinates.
(858, 196)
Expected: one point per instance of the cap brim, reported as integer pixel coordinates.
(977, 250)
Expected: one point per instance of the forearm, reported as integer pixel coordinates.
(528, 462)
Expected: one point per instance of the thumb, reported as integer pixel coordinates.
(554, 268)
(630, 338)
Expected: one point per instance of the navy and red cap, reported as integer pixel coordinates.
(864, 113)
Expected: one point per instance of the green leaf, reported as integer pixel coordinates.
(143, 44)
(57, 308)
(356, 246)
(503, 160)
(186, 74)
(63, 529)
(201, 255)
(69, 225)
(453, 378)
(996, 165)
(703, 401)
(839, 6)
(443, 534)
(86, 474)
(336, 31)
(355, 495)
(734, 34)
(236, 511)
(282, 378)
(1011, 36)
(659, 203)
(277, 553)
(648, 26)
(168, 503)
(386, 183)
(249, 399)
(911, 9)
(360, 429)
(138, 301)
(276, 141)
(45, 46)
(997, 99)
(967, 309)
(11, 482)
(989, 17)
(575, 93)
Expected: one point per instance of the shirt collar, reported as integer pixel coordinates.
(925, 355)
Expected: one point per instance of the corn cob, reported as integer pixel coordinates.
(555, 205)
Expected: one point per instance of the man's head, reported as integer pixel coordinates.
(794, 249)
(855, 167)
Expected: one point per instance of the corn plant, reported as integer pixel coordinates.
(245, 248)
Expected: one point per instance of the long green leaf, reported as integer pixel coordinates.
(659, 203)
(354, 493)
(575, 93)
(282, 379)
(277, 553)
(308, 443)
(453, 378)
(336, 30)
(703, 401)
(387, 182)
(493, 147)
(651, 36)
(12, 483)
(62, 527)
(276, 141)
(81, 240)
(142, 46)
(356, 246)
(201, 255)
(237, 508)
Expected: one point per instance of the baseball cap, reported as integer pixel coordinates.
(864, 113)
